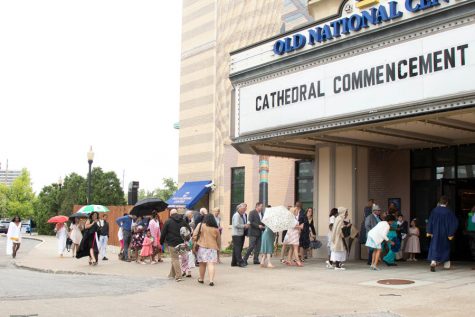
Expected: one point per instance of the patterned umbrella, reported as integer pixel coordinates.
(91, 208)
(58, 219)
(279, 219)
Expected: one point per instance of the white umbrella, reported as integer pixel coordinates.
(279, 219)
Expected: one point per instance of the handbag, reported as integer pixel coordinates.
(315, 244)
(195, 245)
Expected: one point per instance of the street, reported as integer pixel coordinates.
(131, 289)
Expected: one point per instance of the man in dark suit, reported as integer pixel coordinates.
(255, 232)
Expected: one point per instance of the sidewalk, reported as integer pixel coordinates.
(309, 291)
(44, 258)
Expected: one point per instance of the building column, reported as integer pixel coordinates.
(263, 179)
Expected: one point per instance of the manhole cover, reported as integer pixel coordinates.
(395, 282)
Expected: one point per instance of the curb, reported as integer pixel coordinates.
(35, 269)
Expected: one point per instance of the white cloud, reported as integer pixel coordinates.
(79, 73)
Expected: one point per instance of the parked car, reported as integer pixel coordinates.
(4, 226)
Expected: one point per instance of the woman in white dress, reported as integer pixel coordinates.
(292, 239)
(14, 236)
(338, 250)
(76, 235)
(61, 235)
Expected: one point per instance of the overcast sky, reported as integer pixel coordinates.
(92, 72)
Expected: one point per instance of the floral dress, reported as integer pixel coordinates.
(137, 241)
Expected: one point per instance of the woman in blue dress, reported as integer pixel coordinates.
(267, 247)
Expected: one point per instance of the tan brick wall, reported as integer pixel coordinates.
(389, 177)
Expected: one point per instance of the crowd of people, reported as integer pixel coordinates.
(193, 239)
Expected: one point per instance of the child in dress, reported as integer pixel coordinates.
(147, 249)
(185, 256)
(413, 245)
(137, 240)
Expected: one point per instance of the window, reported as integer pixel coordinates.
(237, 188)
(304, 183)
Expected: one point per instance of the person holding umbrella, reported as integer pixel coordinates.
(88, 246)
(14, 236)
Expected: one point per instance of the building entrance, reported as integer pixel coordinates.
(445, 171)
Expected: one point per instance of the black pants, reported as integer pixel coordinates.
(254, 245)
(370, 255)
(238, 243)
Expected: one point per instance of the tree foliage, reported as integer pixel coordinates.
(106, 189)
(47, 205)
(164, 193)
(54, 200)
(17, 199)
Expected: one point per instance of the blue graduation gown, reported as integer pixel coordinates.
(442, 224)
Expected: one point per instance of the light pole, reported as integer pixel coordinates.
(90, 158)
(60, 185)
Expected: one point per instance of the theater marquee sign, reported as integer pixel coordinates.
(429, 68)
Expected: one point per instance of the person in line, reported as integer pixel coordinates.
(14, 236)
(120, 237)
(331, 222)
(199, 216)
(88, 246)
(208, 241)
(308, 233)
(61, 234)
(441, 228)
(125, 222)
(338, 250)
(185, 254)
(392, 245)
(267, 248)
(470, 231)
(370, 222)
(76, 234)
(292, 239)
(103, 237)
(239, 225)
(171, 235)
(147, 248)
(413, 245)
(154, 227)
(368, 209)
(402, 230)
(256, 227)
(217, 218)
(189, 218)
(376, 236)
(137, 241)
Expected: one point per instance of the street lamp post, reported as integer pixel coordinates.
(60, 182)
(90, 158)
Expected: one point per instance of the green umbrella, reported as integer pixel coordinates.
(91, 208)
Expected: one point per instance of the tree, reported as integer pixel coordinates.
(73, 192)
(47, 205)
(3, 200)
(169, 188)
(106, 189)
(18, 198)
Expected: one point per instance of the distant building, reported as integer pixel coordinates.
(8, 176)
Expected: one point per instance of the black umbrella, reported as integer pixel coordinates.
(77, 215)
(146, 206)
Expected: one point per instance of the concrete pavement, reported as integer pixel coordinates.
(309, 291)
